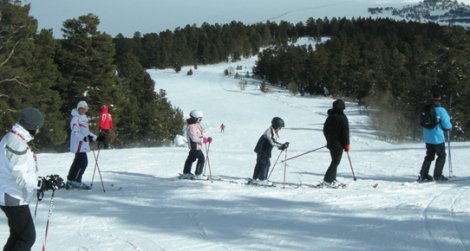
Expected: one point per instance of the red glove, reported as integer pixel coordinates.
(209, 140)
(346, 148)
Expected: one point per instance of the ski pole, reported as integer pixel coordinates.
(51, 204)
(208, 161)
(275, 164)
(36, 207)
(204, 171)
(207, 153)
(98, 167)
(296, 156)
(96, 163)
(352, 170)
(39, 196)
(450, 155)
(285, 168)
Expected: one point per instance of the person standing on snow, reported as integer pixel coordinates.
(80, 139)
(263, 150)
(435, 143)
(195, 136)
(106, 123)
(19, 179)
(336, 132)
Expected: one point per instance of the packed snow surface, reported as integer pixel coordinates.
(145, 207)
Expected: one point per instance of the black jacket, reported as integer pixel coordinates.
(336, 129)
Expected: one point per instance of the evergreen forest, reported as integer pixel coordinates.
(389, 67)
(55, 74)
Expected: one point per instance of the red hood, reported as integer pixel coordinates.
(104, 109)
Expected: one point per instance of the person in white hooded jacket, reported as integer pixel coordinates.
(19, 179)
(80, 138)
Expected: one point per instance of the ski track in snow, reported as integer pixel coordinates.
(454, 217)
(444, 236)
(195, 218)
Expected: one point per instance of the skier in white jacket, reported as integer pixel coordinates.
(80, 138)
(19, 179)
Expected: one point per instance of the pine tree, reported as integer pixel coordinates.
(16, 32)
(44, 74)
(85, 61)
(149, 118)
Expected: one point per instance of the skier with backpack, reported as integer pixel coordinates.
(436, 123)
(196, 138)
(263, 149)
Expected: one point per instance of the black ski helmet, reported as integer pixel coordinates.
(277, 123)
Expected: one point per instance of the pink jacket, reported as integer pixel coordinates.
(194, 133)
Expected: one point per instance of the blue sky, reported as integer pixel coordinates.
(127, 17)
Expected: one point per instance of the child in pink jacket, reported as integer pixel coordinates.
(195, 136)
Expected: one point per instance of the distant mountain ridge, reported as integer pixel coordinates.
(446, 12)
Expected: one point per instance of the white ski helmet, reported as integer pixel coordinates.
(196, 114)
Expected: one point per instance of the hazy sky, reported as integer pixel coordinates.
(129, 16)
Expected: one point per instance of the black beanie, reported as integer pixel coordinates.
(31, 119)
(339, 105)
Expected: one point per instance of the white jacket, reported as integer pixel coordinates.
(18, 170)
(79, 130)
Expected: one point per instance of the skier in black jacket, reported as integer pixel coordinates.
(336, 131)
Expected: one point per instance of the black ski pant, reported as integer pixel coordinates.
(192, 156)
(261, 168)
(104, 139)
(22, 231)
(336, 153)
(79, 164)
(431, 151)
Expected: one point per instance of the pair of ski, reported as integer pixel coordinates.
(296, 185)
(90, 188)
(451, 179)
(249, 182)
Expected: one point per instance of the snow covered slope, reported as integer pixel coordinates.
(146, 208)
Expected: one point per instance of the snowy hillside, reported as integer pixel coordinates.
(146, 208)
(444, 12)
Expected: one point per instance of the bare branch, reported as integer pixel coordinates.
(10, 54)
(15, 79)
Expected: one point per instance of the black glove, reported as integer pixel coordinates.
(100, 138)
(50, 182)
(88, 138)
(284, 146)
(43, 185)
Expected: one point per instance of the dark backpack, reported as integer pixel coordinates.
(428, 117)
